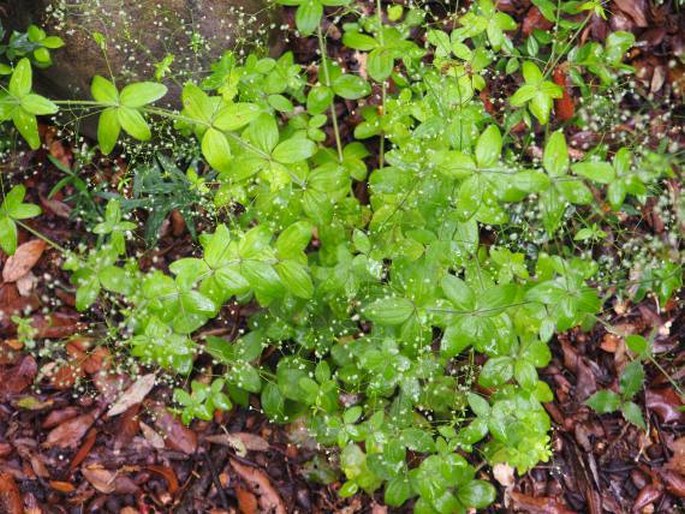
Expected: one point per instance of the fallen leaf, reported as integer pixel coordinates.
(677, 461)
(168, 474)
(62, 487)
(100, 478)
(504, 474)
(269, 499)
(17, 378)
(564, 108)
(649, 494)
(242, 442)
(84, 450)
(247, 502)
(666, 403)
(133, 395)
(176, 435)
(70, 433)
(635, 9)
(155, 440)
(10, 496)
(539, 504)
(25, 258)
(26, 284)
(675, 482)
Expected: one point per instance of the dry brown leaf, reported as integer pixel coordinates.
(636, 9)
(269, 499)
(677, 461)
(62, 487)
(247, 502)
(242, 442)
(152, 437)
(70, 433)
(168, 475)
(10, 496)
(25, 258)
(177, 436)
(666, 403)
(26, 284)
(133, 395)
(100, 478)
(539, 504)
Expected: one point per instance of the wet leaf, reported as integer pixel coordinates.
(25, 257)
(100, 478)
(177, 436)
(133, 395)
(269, 499)
(70, 433)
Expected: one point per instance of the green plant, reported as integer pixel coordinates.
(12, 211)
(631, 381)
(385, 309)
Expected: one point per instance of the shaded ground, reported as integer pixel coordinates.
(63, 450)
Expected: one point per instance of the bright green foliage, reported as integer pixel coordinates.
(12, 210)
(123, 110)
(203, 400)
(377, 287)
(536, 92)
(22, 106)
(630, 383)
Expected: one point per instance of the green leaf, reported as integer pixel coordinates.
(397, 491)
(8, 235)
(457, 292)
(555, 159)
(633, 414)
(497, 371)
(350, 87)
(295, 278)
(319, 99)
(273, 401)
(109, 129)
(597, 171)
(197, 105)
(604, 401)
(216, 150)
(21, 79)
(235, 116)
(38, 105)
(379, 64)
(359, 41)
(308, 16)
(531, 73)
(541, 107)
(638, 344)
(632, 379)
(294, 150)
(27, 125)
(294, 239)
(575, 191)
(390, 311)
(133, 123)
(525, 374)
(104, 91)
(489, 147)
(469, 198)
(142, 93)
(522, 95)
(477, 494)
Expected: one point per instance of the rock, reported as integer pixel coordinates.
(138, 35)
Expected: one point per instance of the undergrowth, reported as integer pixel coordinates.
(409, 277)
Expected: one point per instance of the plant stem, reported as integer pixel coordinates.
(327, 78)
(49, 241)
(381, 150)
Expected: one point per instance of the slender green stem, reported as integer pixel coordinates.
(381, 150)
(327, 78)
(49, 241)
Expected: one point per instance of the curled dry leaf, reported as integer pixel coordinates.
(70, 433)
(133, 395)
(10, 497)
(269, 499)
(247, 502)
(666, 403)
(649, 494)
(100, 478)
(168, 474)
(25, 258)
(539, 505)
(177, 436)
(17, 378)
(241, 442)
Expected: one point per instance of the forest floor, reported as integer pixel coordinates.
(61, 452)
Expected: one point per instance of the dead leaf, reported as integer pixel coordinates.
(62, 487)
(247, 502)
(177, 436)
(269, 499)
(675, 482)
(133, 395)
(152, 437)
(26, 284)
(241, 442)
(666, 403)
(168, 474)
(84, 450)
(648, 495)
(25, 258)
(677, 461)
(17, 378)
(504, 474)
(636, 9)
(100, 478)
(70, 433)
(10, 496)
(539, 504)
